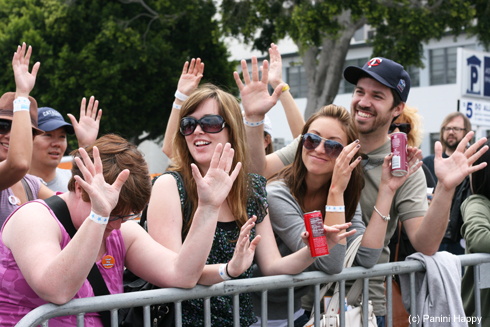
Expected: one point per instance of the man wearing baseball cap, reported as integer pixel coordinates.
(382, 88)
(49, 147)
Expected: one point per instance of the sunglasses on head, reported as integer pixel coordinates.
(5, 126)
(404, 128)
(312, 141)
(208, 123)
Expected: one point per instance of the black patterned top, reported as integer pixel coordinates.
(222, 252)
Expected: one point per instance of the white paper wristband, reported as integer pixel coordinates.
(176, 106)
(98, 218)
(334, 208)
(222, 272)
(181, 96)
(22, 104)
(255, 124)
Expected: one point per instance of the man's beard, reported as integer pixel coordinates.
(452, 147)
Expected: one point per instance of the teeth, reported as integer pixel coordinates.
(5, 145)
(364, 115)
(199, 143)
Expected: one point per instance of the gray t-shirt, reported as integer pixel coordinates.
(60, 181)
(287, 222)
(410, 201)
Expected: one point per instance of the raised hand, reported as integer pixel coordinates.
(244, 250)
(191, 76)
(343, 167)
(216, 184)
(24, 81)
(103, 196)
(391, 183)
(255, 95)
(275, 69)
(87, 129)
(451, 171)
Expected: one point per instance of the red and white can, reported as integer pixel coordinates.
(317, 238)
(399, 165)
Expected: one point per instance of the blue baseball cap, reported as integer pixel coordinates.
(49, 119)
(385, 71)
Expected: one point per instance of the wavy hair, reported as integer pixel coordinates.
(295, 174)
(409, 115)
(118, 154)
(229, 109)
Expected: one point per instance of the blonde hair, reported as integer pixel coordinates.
(410, 115)
(229, 109)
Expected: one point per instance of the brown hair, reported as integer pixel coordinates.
(447, 120)
(270, 147)
(118, 154)
(229, 109)
(409, 115)
(294, 174)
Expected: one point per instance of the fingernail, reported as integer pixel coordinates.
(357, 141)
(357, 146)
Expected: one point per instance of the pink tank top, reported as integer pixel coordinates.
(17, 298)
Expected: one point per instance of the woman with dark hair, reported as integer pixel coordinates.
(210, 117)
(40, 262)
(476, 233)
(325, 175)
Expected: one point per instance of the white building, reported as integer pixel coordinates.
(436, 90)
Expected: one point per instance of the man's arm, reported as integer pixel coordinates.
(426, 232)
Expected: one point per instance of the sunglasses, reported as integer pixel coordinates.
(208, 123)
(5, 126)
(312, 141)
(404, 128)
(124, 218)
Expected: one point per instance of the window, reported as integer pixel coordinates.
(296, 77)
(434, 137)
(443, 66)
(414, 73)
(346, 87)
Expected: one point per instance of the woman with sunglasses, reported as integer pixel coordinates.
(208, 118)
(18, 123)
(40, 262)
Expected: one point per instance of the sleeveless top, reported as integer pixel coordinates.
(17, 298)
(221, 252)
(8, 206)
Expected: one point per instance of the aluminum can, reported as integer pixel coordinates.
(399, 165)
(317, 238)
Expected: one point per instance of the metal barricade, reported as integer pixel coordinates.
(42, 314)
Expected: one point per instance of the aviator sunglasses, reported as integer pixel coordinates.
(404, 128)
(208, 123)
(332, 148)
(5, 126)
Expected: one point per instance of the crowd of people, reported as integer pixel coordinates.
(228, 206)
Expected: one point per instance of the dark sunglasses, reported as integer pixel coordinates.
(5, 126)
(125, 217)
(404, 128)
(332, 148)
(208, 123)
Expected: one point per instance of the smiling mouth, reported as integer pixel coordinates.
(5, 145)
(201, 143)
(364, 114)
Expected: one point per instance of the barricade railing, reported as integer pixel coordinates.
(144, 299)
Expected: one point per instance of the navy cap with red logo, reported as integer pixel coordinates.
(385, 71)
